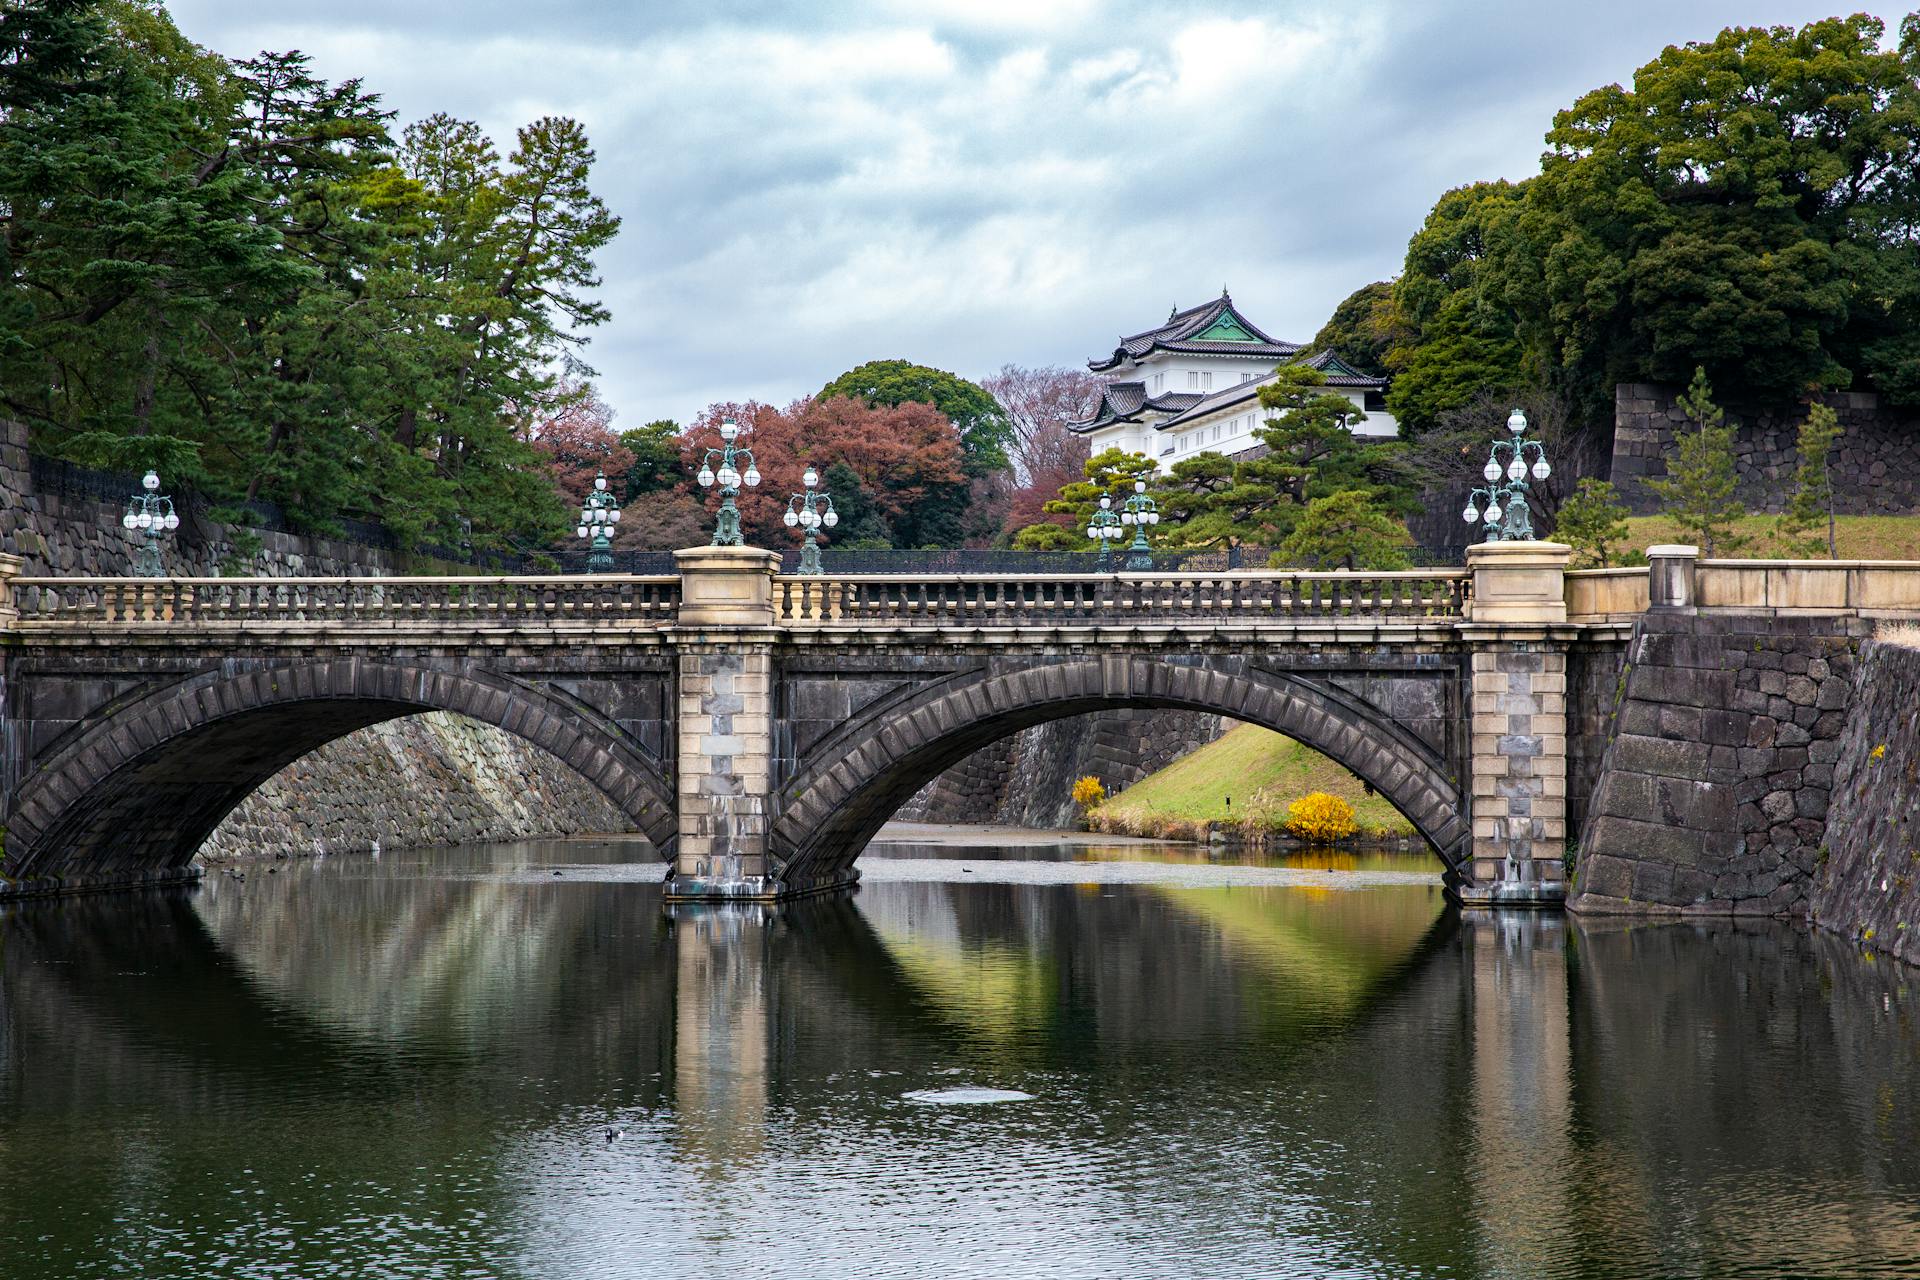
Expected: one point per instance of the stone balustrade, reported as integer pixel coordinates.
(1020, 600)
(105, 605)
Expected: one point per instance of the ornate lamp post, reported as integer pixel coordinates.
(1507, 516)
(803, 513)
(1105, 526)
(597, 518)
(151, 514)
(1139, 510)
(726, 527)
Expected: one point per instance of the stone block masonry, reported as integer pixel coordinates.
(724, 723)
(1866, 878)
(430, 779)
(1519, 761)
(1876, 460)
(1594, 683)
(1517, 724)
(726, 733)
(1714, 791)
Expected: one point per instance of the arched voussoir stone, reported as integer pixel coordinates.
(842, 794)
(129, 797)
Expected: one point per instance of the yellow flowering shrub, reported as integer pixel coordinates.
(1087, 792)
(1319, 816)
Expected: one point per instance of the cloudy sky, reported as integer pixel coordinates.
(971, 183)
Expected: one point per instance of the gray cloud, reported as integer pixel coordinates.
(969, 183)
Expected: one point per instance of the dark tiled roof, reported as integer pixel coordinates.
(1124, 401)
(1181, 333)
(1338, 374)
(1210, 403)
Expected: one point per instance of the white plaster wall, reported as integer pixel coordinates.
(1236, 424)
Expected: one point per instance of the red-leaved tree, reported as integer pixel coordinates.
(907, 458)
(577, 441)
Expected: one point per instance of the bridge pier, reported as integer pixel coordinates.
(724, 642)
(1518, 790)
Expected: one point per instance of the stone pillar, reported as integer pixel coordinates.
(1670, 577)
(10, 566)
(723, 643)
(1518, 789)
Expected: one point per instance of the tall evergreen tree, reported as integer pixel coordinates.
(227, 270)
(1812, 503)
(1699, 487)
(1344, 530)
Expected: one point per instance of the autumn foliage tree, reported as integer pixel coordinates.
(577, 442)
(906, 457)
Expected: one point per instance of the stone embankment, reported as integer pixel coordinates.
(1712, 795)
(1763, 765)
(436, 778)
(1875, 462)
(1863, 882)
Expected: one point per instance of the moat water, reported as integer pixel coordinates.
(988, 1062)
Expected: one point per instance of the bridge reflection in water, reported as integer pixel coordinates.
(411, 1063)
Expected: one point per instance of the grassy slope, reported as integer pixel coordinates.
(1261, 770)
(1859, 537)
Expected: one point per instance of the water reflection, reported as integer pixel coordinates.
(409, 1067)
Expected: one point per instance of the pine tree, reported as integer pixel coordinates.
(1594, 523)
(1345, 530)
(1812, 500)
(222, 269)
(1699, 488)
(1110, 473)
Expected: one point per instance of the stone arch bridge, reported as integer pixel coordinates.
(759, 728)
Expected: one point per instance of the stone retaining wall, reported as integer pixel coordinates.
(1876, 460)
(1864, 879)
(1713, 792)
(59, 533)
(436, 778)
(1596, 672)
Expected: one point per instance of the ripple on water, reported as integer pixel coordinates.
(965, 1096)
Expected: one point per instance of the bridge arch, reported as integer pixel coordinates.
(854, 779)
(131, 793)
